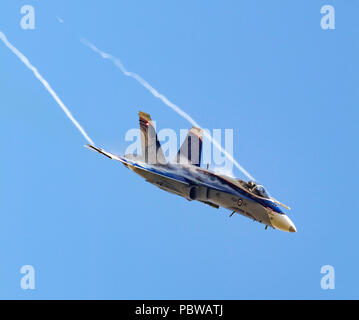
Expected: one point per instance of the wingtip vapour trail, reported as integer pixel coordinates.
(46, 85)
(117, 62)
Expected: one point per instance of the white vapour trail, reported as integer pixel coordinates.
(45, 84)
(160, 96)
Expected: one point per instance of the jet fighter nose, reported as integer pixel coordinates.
(282, 222)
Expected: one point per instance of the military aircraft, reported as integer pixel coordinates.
(185, 177)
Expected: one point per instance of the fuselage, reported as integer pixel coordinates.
(195, 183)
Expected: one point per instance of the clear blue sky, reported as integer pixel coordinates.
(93, 229)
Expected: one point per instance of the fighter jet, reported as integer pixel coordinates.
(184, 176)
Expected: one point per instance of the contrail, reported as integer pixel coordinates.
(160, 96)
(45, 84)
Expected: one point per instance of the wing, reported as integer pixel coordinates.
(191, 149)
(105, 153)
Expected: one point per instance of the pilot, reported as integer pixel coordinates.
(251, 185)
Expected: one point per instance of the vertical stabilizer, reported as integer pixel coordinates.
(191, 149)
(151, 148)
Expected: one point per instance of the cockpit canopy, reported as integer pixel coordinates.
(258, 189)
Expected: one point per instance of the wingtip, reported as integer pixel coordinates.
(281, 204)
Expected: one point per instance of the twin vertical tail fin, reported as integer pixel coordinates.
(151, 148)
(191, 149)
(152, 153)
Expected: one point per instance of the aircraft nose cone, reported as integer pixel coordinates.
(282, 222)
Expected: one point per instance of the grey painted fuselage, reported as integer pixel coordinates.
(195, 183)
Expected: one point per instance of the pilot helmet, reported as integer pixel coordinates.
(251, 184)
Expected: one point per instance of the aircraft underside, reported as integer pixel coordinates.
(210, 196)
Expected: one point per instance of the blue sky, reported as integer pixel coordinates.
(94, 230)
